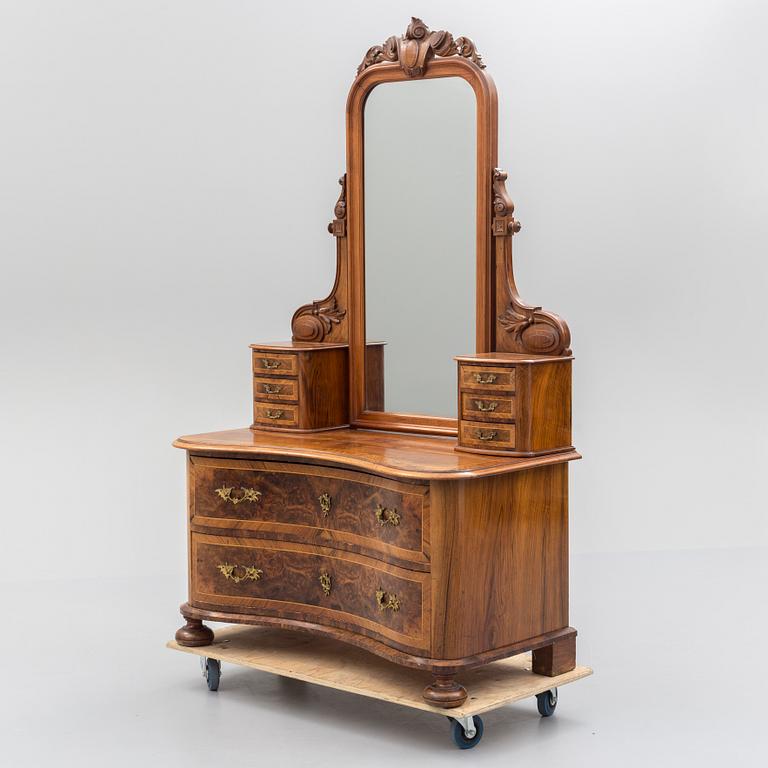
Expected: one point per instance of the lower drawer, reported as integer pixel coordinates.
(493, 437)
(275, 414)
(310, 583)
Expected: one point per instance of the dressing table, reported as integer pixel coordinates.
(403, 486)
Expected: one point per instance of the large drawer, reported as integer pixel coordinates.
(319, 505)
(310, 584)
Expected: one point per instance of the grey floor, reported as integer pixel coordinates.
(677, 641)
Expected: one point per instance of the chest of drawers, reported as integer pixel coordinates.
(346, 534)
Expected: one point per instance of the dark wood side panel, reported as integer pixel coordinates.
(374, 377)
(323, 388)
(550, 399)
(499, 560)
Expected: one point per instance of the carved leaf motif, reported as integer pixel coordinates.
(515, 322)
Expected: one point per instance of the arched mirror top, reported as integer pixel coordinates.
(439, 280)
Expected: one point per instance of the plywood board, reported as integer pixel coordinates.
(337, 665)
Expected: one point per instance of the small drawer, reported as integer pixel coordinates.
(274, 363)
(490, 437)
(480, 407)
(268, 388)
(310, 583)
(487, 378)
(277, 415)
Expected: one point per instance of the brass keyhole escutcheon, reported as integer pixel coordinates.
(387, 600)
(325, 583)
(481, 435)
(485, 407)
(270, 364)
(272, 389)
(387, 516)
(247, 494)
(325, 503)
(274, 414)
(488, 379)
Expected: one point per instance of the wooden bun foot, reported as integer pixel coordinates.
(445, 692)
(194, 633)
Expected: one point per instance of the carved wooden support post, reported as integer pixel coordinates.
(520, 327)
(445, 692)
(325, 320)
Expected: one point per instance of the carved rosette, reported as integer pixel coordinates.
(316, 321)
(417, 46)
(520, 327)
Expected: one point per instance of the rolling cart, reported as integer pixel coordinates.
(339, 665)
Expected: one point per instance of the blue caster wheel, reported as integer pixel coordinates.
(211, 672)
(547, 702)
(466, 731)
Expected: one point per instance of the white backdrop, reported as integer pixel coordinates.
(167, 170)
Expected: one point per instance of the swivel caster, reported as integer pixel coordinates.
(547, 702)
(466, 731)
(211, 672)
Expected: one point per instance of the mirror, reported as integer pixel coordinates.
(420, 239)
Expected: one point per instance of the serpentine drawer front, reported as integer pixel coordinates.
(310, 583)
(373, 515)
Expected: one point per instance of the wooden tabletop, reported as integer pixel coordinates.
(415, 457)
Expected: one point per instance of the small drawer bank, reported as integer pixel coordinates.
(514, 405)
(302, 386)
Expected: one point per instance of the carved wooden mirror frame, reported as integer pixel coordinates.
(504, 322)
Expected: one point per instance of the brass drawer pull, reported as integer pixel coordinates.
(325, 583)
(270, 364)
(486, 407)
(325, 503)
(481, 435)
(387, 516)
(248, 494)
(387, 600)
(489, 379)
(248, 572)
(274, 414)
(272, 389)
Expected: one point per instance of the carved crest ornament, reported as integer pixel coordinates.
(517, 327)
(414, 49)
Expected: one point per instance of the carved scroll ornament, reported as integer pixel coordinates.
(417, 46)
(317, 321)
(520, 327)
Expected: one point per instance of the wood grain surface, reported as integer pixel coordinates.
(327, 662)
(405, 456)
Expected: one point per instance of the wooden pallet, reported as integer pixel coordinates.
(338, 665)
